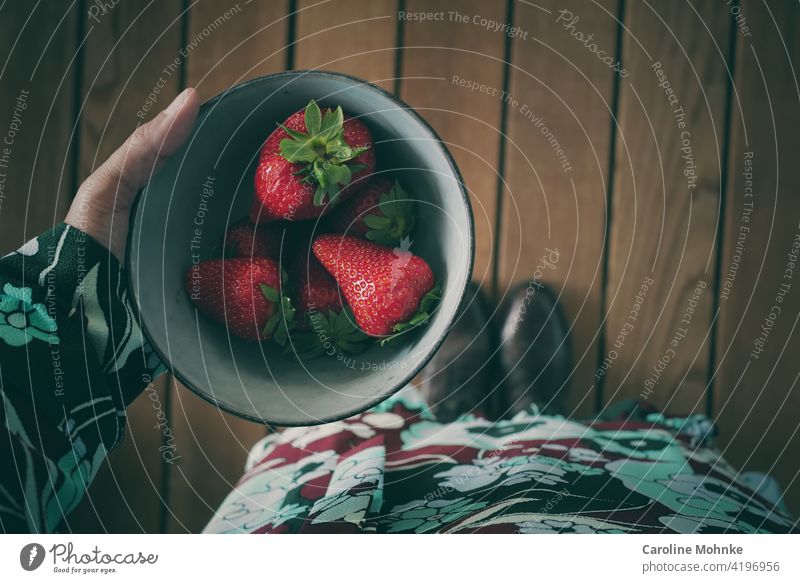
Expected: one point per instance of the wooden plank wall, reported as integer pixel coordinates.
(559, 149)
(358, 38)
(561, 96)
(665, 204)
(756, 393)
(38, 71)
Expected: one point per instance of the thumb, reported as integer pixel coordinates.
(102, 205)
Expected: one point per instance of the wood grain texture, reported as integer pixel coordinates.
(560, 100)
(212, 447)
(231, 43)
(756, 393)
(438, 52)
(228, 43)
(124, 83)
(357, 37)
(666, 205)
(37, 105)
(127, 78)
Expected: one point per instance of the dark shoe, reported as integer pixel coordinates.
(458, 379)
(535, 354)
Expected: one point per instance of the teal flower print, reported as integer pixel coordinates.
(423, 516)
(566, 525)
(21, 320)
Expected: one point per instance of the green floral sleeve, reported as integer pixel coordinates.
(72, 356)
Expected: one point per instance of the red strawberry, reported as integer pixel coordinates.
(388, 290)
(309, 164)
(382, 212)
(243, 294)
(315, 289)
(325, 325)
(244, 239)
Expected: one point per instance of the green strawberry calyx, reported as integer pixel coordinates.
(323, 151)
(394, 218)
(421, 317)
(282, 322)
(329, 334)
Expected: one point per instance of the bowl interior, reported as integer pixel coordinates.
(182, 215)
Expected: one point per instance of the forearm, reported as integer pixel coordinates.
(72, 356)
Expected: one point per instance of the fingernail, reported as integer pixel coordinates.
(178, 102)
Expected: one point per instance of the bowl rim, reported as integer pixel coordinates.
(170, 367)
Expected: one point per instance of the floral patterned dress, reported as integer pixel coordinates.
(397, 469)
(72, 356)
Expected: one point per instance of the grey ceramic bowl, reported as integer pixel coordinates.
(181, 217)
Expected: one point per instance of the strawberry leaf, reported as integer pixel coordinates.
(270, 293)
(293, 133)
(393, 219)
(304, 345)
(338, 174)
(420, 318)
(272, 324)
(337, 331)
(376, 221)
(318, 170)
(319, 195)
(332, 124)
(313, 118)
(342, 152)
(430, 299)
(300, 150)
(288, 309)
(322, 151)
(284, 322)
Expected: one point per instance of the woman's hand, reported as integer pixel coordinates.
(102, 205)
